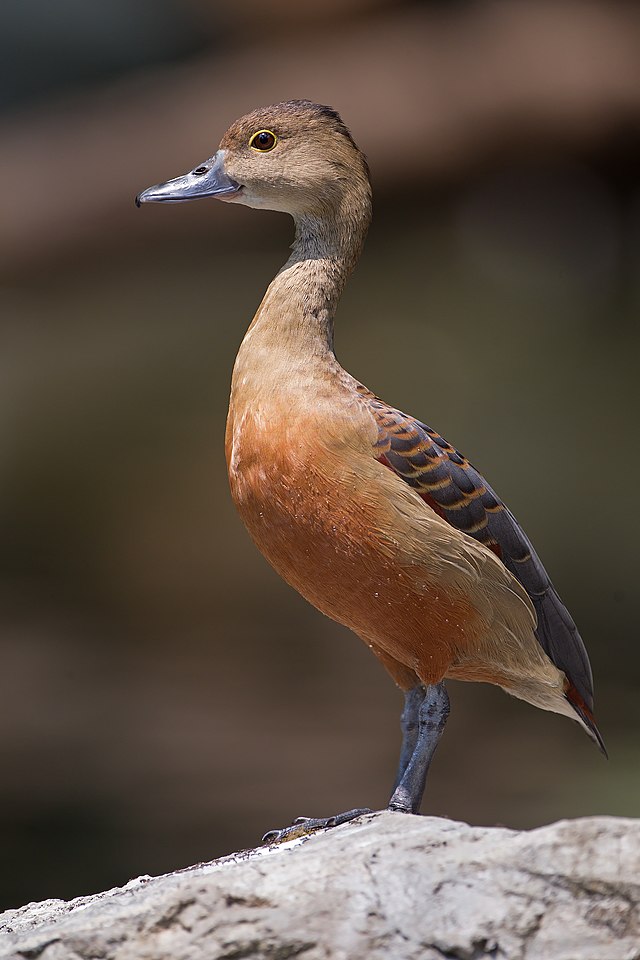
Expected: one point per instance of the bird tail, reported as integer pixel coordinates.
(585, 716)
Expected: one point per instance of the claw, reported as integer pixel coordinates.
(270, 836)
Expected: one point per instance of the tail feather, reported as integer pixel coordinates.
(558, 635)
(586, 716)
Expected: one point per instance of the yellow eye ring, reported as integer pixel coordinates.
(263, 141)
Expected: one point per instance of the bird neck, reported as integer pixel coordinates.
(296, 315)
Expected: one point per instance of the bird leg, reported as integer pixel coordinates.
(424, 716)
(409, 721)
(432, 711)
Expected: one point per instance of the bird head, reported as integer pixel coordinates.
(297, 157)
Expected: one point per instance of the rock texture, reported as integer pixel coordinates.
(385, 886)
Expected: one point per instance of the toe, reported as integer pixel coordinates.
(305, 826)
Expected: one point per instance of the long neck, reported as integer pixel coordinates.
(295, 318)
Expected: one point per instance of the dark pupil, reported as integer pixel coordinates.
(264, 140)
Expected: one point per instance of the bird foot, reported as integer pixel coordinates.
(402, 801)
(304, 826)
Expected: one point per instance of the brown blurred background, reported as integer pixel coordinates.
(164, 698)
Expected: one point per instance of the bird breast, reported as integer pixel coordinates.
(316, 504)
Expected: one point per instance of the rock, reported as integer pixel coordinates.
(385, 886)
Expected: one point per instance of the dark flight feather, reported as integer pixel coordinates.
(457, 492)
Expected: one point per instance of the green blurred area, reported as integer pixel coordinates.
(165, 698)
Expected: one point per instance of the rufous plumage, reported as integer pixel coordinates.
(371, 515)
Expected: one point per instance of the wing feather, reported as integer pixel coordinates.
(452, 486)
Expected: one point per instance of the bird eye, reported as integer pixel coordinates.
(263, 141)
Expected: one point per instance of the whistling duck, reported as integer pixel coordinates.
(369, 513)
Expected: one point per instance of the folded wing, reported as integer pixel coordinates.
(460, 495)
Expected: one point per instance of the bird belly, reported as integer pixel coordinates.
(331, 534)
(363, 548)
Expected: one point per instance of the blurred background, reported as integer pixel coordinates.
(164, 697)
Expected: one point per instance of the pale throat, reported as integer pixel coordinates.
(297, 312)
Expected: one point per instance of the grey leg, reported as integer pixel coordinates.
(432, 716)
(423, 718)
(409, 722)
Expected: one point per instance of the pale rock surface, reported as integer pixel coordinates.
(386, 886)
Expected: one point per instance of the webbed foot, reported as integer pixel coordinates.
(304, 826)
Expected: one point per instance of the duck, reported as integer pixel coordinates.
(368, 512)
